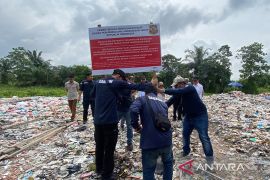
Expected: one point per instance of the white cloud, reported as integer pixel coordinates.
(59, 28)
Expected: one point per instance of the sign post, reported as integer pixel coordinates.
(132, 48)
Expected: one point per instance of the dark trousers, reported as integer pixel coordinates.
(177, 109)
(86, 107)
(106, 139)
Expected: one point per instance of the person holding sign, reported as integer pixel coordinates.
(106, 121)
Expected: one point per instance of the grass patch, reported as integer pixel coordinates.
(264, 89)
(10, 91)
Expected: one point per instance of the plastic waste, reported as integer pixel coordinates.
(74, 168)
(260, 125)
(27, 175)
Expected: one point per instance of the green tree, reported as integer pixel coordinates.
(254, 66)
(21, 66)
(170, 65)
(253, 61)
(24, 68)
(6, 75)
(80, 72)
(40, 68)
(35, 57)
(215, 70)
(196, 57)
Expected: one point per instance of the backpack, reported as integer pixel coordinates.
(161, 122)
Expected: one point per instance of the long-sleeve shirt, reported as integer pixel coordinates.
(125, 100)
(86, 86)
(151, 137)
(105, 94)
(192, 103)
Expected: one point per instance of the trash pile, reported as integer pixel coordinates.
(243, 121)
(239, 127)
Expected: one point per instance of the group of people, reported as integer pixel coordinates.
(112, 99)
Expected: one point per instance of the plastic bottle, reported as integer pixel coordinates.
(260, 125)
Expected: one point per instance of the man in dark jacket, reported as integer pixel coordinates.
(176, 101)
(86, 86)
(153, 142)
(106, 120)
(123, 112)
(177, 107)
(195, 117)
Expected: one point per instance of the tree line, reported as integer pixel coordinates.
(23, 67)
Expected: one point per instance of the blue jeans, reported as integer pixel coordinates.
(149, 161)
(126, 117)
(200, 123)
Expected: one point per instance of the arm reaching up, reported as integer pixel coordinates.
(154, 80)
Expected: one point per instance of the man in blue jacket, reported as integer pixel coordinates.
(195, 117)
(123, 112)
(153, 142)
(86, 86)
(106, 120)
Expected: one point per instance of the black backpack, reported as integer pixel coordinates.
(161, 122)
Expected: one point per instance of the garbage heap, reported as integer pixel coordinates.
(239, 128)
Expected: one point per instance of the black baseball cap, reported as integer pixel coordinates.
(120, 72)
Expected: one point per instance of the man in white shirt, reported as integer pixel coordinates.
(72, 88)
(198, 87)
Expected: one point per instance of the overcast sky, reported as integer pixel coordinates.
(59, 28)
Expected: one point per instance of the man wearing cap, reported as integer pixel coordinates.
(72, 88)
(123, 103)
(86, 86)
(198, 86)
(195, 117)
(106, 120)
(176, 100)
